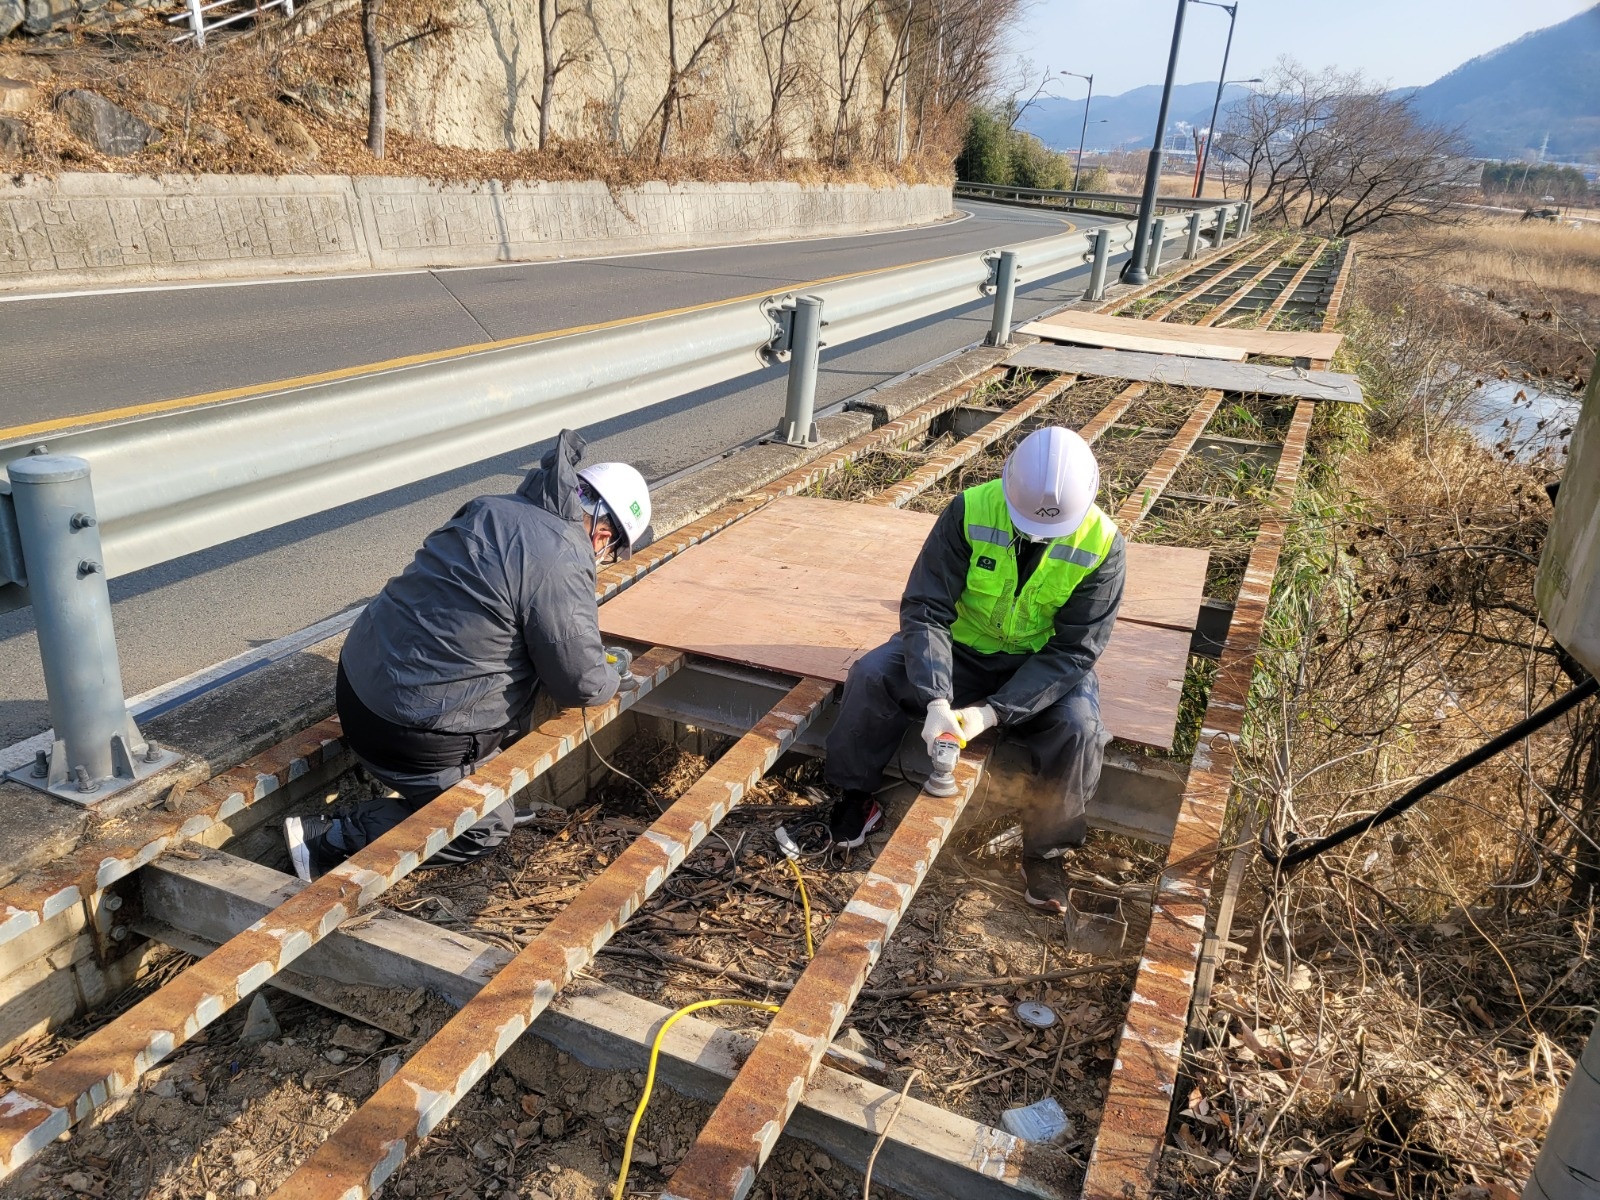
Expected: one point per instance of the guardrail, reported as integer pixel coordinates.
(1079, 201)
(171, 483)
(194, 15)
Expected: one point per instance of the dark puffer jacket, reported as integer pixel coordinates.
(498, 602)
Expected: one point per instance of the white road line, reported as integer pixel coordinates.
(208, 284)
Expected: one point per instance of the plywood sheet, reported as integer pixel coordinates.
(808, 586)
(1117, 340)
(1255, 378)
(1285, 343)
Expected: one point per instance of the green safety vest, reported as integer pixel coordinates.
(991, 616)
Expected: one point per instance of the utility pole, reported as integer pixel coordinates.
(1222, 82)
(1134, 271)
(1077, 170)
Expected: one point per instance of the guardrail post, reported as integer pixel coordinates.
(1005, 293)
(1158, 237)
(1192, 247)
(1244, 217)
(1222, 227)
(805, 343)
(98, 748)
(1102, 260)
(197, 22)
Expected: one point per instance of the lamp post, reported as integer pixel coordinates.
(1134, 272)
(1222, 82)
(1084, 132)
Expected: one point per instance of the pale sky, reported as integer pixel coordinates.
(1402, 43)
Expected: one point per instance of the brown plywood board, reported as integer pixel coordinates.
(808, 586)
(1248, 378)
(1078, 326)
(1117, 340)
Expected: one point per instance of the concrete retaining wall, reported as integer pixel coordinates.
(103, 228)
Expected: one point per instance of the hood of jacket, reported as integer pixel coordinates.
(553, 484)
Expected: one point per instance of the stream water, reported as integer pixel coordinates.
(1532, 421)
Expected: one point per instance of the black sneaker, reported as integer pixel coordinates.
(854, 815)
(1044, 884)
(309, 848)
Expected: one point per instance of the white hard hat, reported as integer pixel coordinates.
(1050, 481)
(626, 498)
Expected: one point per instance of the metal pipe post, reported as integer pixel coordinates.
(1134, 272)
(98, 748)
(1158, 237)
(1192, 247)
(1244, 217)
(1569, 1163)
(1005, 293)
(1102, 260)
(805, 344)
(1222, 226)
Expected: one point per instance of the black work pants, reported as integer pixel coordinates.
(1065, 741)
(418, 764)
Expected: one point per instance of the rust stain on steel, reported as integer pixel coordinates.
(722, 1163)
(1150, 1047)
(1228, 305)
(368, 1147)
(941, 464)
(1265, 320)
(111, 1060)
(123, 847)
(1205, 285)
(1156, 479)
(1336, 301)
(1112, 413)
(621, 575)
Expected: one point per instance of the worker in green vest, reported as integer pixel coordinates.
(1006, 611)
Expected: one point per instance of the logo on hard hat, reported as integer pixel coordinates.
(1048, 512)
(637, 511)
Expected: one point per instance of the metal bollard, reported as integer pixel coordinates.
(1158, 238)
(1005, 292)
(98, 748)
(1244, 217)
(1192, 248)
(805, 343)
(1102, 260)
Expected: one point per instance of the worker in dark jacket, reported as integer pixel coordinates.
(441, 669)
(1008, 607)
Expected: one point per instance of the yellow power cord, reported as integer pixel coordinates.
(805, 905)
(650, 1077)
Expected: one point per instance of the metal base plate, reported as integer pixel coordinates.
(108, 786)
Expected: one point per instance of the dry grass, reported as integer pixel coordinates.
(1515, 255)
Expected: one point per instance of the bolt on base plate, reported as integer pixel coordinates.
(79, 788)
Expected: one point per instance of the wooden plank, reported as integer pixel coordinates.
(808, 586)
(930, 1154)
(1286, 344)
(1115, 340)
(1247, 378)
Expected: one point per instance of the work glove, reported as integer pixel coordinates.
(940, 721)
(976, 720)
(622, 660)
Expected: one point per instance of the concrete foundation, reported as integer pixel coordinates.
(83, 228)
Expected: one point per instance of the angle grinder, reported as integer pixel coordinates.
(942, 779)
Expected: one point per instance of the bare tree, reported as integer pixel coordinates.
(853, 25)
(551, 14)
(377, 76)
(901, 17)
(777, 26)
(670, 110)
(1328, 150)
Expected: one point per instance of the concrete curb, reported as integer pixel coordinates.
(87, 229)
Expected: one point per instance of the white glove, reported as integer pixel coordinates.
(975, 721)
(940, 721)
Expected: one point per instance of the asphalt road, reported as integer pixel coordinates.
(74, 355)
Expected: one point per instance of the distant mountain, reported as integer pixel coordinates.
(1547, 81)
(1130, 117)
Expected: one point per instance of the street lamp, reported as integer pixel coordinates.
(1133, 272)
(1211, 132)
(1084, 132)
(1233, 15)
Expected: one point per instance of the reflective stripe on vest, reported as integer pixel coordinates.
(992, 617)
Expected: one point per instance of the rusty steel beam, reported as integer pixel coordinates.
(1166, 281)
(1155, 481)
(371, 1144)
(1346, 268)
(621, 575)
(1112, 413)
(75, 877)
(1149, 1050)
(722, 1163)
(1177, 302)
(1228, 305)
(939, 465)
(1265, 320)
(110, 1061)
